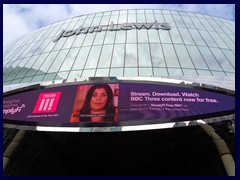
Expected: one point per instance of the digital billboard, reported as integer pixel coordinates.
(121, 103)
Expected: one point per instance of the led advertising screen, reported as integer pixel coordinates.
(119, 103)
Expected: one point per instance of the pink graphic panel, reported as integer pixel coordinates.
(47, 102)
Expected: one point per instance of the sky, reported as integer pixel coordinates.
(19, 19)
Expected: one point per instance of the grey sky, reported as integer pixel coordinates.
(19, 19)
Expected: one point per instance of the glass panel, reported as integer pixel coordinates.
(59, 44)
(122, 19)
(159, 18)
(183, 56)
(207, 38)
(69, 42)
(89, 39)
(170, 56)
(186, 36)
(106, 56)
(132, 18)
(118, 55)
(131, 72)
(131, 56)
(92, 60)
(118, 72)
(109, 38)
(222, 60)
(169, 19)
(146, 72)
(99, 38)
(37, 64)
(49, 77)
(227, 40)
(96, 21)
(49, 46)
(40, 49)
(210, 59)
(150, 17)
(230, 56)
(174, 72)
(144, 55)
(74, 74)
(113, 19)
(26, 79)
(142, 36)
(205, 23)
(153, 36)
(189, 72)
(81, 58)
(79, 40)
(141, 18)
(160, 72)
(188, 22)
(197, 37)
(178, 20)
(197, 23)
(218, 40)
(48, 62)
(218, 74)
(157, 55)
(37, 78)
(132, 36)
(196, 57)
(88, 73)
(176, 38)
(215, 26)
(120, 37)
(16, 81)
(102, 72)
(204, 73)
(164, 37)
(58, 61)
(69, 60)
(62, 75)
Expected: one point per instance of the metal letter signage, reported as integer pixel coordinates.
(112, 27)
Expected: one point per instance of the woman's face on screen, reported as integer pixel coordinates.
(98, 99)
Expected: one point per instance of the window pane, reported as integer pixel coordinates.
(106, 56)
(197, 37)
(74, 74)
(99, 38)
(146, 72)
(174, 72)
(170, 56)
(196, 57)
(183, 56)
(58, 61)
(118, 72)
(176, 37)
(189, 72)
(186, 36)
(131, 55)
(153, 36)
(102, 72)
(207, 38)
(230, 56)
(120, 37)
(81, 58)
(48, 62)
(109, 38)
(88, 73)
(159, 72)
(144, 55)
(69, 60)
(164, 37)
(132, 36)
(142, 36)
(93, 57)
(204, 73)
(157, 55)
(79, 40)
(89, 39)
(218, 40)
(118, 55)
(130, 72)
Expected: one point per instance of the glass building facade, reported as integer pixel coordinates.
(126, 43)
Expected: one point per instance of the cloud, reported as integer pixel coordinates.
(28, 17)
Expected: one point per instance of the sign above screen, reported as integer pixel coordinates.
(114, 104)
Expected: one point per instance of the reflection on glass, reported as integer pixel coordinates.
(207, 38)
(99, 38)
(131, 55)
(79, 40)
(164, 37)
(118, 72)
(230, 56)
(142, 36)
(132, 36)
(197, 37)
(74, 74)
(176, 38)
(120, 37)
(37, 64)
(175, 72)
(69, 60)
(81, 58)
(118, 55)
(58, 61)
(102, 72)
(178, 20)
(196, 57)
(144, 55)
(204, 72)
(93, 57)
(157, 55)
(159, 72)
(49, 77)
(88, 73)
(209, 59)
(48, 62)
(218, 40)
(183, 56)
(186, 36)
(62, 75)
(89, 39)
(109, 38)
(145, 72)
(130, 72)
(153, 36)
(189, 72)
(106, 56)
(37, 78)
(170, 56)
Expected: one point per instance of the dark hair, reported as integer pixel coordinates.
(109, 108)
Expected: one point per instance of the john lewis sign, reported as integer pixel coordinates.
(112, 27)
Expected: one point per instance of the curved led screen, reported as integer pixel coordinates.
(121, 103)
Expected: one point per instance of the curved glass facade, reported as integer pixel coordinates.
(128, 43)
